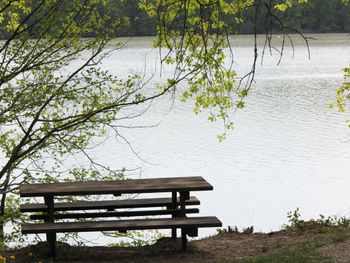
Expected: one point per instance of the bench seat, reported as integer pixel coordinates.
(123, 225)
(109, 205)
(116, 214)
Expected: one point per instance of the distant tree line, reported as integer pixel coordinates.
(317, 16)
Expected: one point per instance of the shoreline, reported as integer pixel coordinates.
(304, 242)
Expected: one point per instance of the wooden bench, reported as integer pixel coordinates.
(176, 207)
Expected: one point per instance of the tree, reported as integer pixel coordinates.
(51, 107)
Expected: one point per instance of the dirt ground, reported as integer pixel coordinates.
(227, 246)
(340, 252)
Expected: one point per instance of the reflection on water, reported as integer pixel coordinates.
(288, 149)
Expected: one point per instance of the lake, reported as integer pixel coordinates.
(288, 149)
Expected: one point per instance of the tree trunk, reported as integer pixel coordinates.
(2, 218)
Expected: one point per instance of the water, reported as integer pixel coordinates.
(288, 148)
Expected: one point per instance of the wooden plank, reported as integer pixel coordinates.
(116, 187)
(116, 214)
(109, 204)
(122, 225)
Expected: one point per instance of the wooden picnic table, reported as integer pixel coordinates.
(176, 186)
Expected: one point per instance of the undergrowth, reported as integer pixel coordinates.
(296, 224)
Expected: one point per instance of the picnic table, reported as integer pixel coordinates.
(179, 189)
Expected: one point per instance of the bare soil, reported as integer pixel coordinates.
(340, 251)
(226, 246)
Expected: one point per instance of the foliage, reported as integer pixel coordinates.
(229, 229)
(196, 48)
(13, 217)
(326, 230)
(137, 238)
(247, 230)
(287, 4)
(194, 36)
(343, 92)
(45, 109)
(321, 224)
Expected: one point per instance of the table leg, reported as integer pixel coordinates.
(50, 237)
(174, 206)
(183, 239)
(183, 197)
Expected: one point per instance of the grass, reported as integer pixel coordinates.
(300, 255)
(307, 252)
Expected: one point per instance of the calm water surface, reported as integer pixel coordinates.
(288, 148)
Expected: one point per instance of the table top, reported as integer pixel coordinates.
(152, 185)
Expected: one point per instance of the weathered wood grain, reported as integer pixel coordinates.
(116, 187)
(122, 225)
(107, 204)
